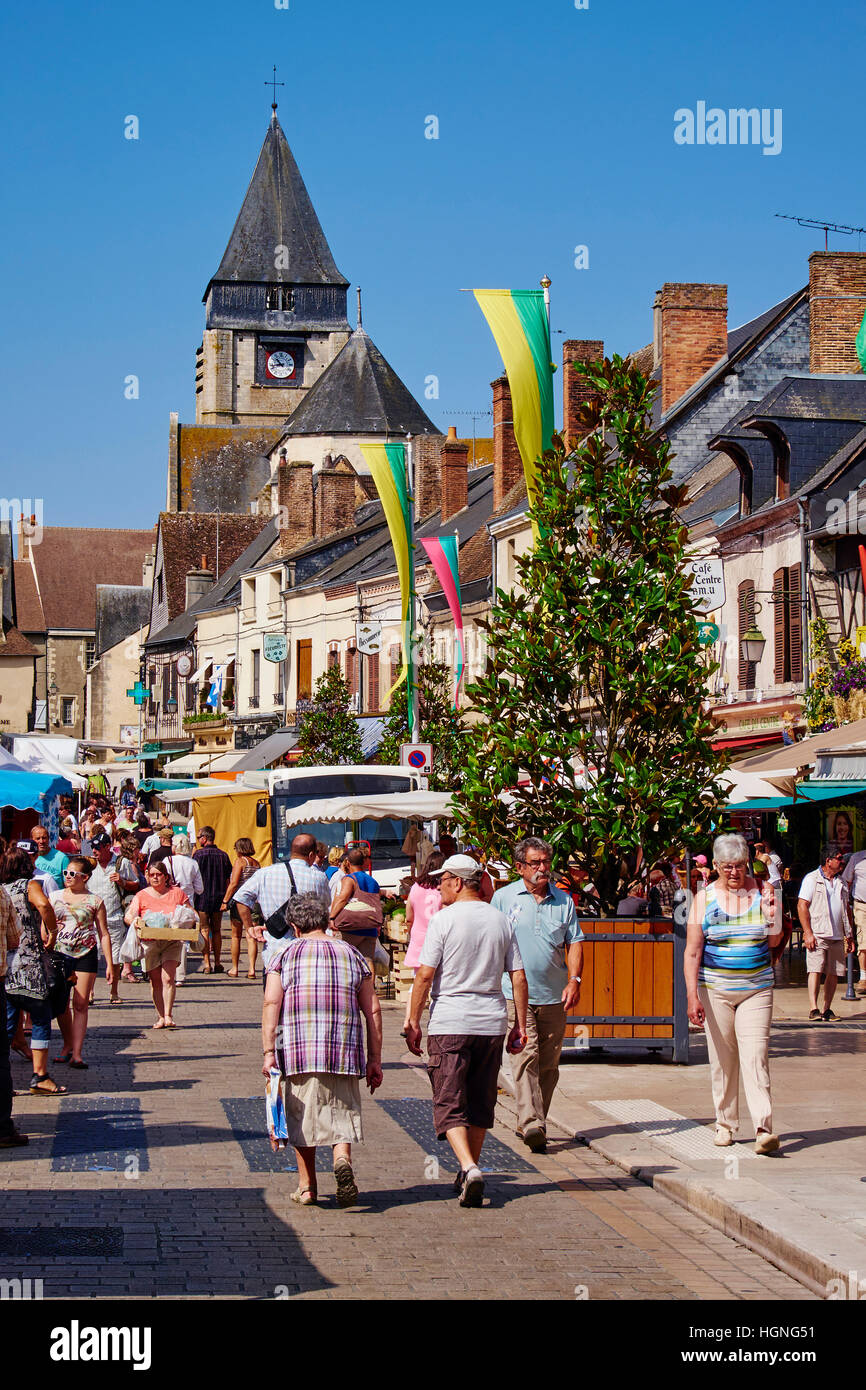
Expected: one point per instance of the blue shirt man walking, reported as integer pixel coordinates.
(550, 941)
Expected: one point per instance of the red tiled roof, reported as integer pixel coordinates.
(70, 561)
(187, 536)
(14, 644)
(28, 607)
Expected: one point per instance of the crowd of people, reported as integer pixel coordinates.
(498, 964)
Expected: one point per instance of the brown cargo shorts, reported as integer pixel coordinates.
(463, 1070)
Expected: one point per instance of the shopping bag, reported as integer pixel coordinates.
(131, 949)
(275, 1110)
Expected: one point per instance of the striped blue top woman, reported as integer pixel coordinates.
(736, 953)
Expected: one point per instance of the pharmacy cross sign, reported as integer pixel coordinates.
(138, 693)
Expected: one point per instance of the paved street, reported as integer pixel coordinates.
(153, 1179)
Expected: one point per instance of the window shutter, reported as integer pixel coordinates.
(373, 681)
(780, 627)
(746, 609)
(394, 658)
(795, 623)
(352, 670)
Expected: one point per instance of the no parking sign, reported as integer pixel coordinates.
(418, 756)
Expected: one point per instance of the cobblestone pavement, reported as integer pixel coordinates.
(152, 1178)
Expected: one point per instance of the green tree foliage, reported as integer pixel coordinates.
(441, 725)
(329, 733)
(595, 682)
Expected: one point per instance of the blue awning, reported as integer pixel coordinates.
(164, 784)
(806, 791)
(31, 791)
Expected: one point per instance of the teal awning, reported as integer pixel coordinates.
(164, 784)
(31, 791)
(806, 792)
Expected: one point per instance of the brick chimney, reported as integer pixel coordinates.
(335, 497)
(693, 333)
(27, 529)
(575, 391)
(295, 501)
(837, 301)
(507, 463)
(454, 460)
(428, 482)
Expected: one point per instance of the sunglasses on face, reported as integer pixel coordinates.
(73, 873)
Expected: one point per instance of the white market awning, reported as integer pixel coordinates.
(396, 805)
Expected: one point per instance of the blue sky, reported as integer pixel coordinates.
(555, 130)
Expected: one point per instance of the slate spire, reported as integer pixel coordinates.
(359, 393)
(277, 212)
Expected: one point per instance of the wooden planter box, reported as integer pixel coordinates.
(632, 993)
(218, 722)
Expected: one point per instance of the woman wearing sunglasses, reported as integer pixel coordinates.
(81, 922)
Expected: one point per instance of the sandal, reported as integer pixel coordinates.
(251, 974)
(305, 1196)
(232, 974)
(80, 1066)
(219, 970)
(159, 1024)
(64, 1057)
(38, 1087)
(115, 1001)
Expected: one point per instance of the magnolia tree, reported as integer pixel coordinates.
(329, 733)
(591, 727)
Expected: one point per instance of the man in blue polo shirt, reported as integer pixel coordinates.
(46, 861)
(550, 941)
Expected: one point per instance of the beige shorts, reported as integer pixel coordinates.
(160, 953)
(827, 953)
(860, 924)
(323, 1108)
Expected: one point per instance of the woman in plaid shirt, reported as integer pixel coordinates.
(317, 989)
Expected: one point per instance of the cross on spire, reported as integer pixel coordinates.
(272, 82)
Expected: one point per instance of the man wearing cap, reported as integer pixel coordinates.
(467, 948)
(546, 926)
(828, 936)
(109, 881)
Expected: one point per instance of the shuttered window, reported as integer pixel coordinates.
(305, 669)
(746, 610)
(373, 682)
(788, 625)
(394, 659)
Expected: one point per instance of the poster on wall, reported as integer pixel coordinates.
(845, 827)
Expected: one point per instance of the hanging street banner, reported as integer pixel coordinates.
(368, 638)
(708, 585)
(387, 464)
(444, 559)
(518, 322)
(275, 646)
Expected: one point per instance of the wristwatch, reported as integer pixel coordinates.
(575, 978)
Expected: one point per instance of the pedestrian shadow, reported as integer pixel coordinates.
(499, 1192)
(818, 1138)
(164, 1243)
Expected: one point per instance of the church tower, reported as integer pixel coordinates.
(275, 311)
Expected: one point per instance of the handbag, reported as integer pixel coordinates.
(58, 968)
(277, 924)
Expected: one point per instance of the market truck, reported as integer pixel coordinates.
(348, 788)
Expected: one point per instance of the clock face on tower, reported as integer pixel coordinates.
(280, 364)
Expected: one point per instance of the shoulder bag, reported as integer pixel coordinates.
(276, 925)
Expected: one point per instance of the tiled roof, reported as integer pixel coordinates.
(187, 536)
(70, 561)
(14, 644)
(180, 627)
(28, 606)
(217, 464)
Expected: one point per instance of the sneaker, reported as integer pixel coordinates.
(535, 1140)
(457, 1185)
(767, 1143)
(472, 1191)
(14, 1140)
(829, 1016)
(723, 1137)
(347, 1188)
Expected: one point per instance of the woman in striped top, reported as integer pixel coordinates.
(729, 979)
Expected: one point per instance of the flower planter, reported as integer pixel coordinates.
(632, 993)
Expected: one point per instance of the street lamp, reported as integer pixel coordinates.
(752, 644)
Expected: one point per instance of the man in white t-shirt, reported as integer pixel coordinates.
(467, 949)
(826, 921)
(854, 875)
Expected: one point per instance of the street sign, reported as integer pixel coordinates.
(368, 637)
(417, 755)
(860, 643)
(708, 633)
(708, 585)
(275, 646)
